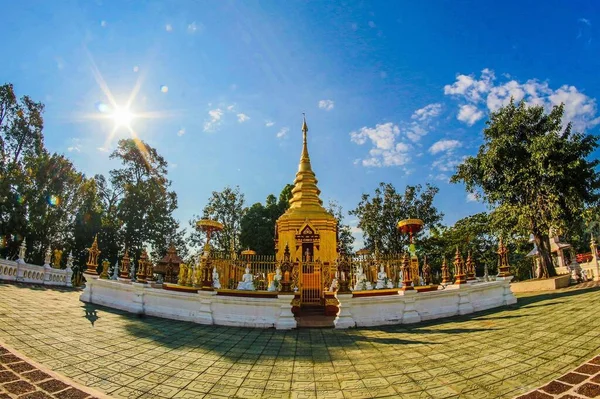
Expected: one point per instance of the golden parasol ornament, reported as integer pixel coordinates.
(209, 226)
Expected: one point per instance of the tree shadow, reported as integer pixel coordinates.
(40, 287)
(318, 344)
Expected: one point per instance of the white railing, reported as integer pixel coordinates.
(26, 273)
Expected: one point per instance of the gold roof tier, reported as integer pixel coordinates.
(305, 194)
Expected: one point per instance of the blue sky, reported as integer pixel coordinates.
(393, 91)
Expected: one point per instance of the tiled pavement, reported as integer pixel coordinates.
(23, 380)
(583, 382)
(502, 353)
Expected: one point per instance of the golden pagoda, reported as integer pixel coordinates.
(306, 227)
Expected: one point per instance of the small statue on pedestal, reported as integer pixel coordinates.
(382, 280)
(22, 251)
(48, 257)
(182, 278)
(361, 281)
(132, 271)
(275, 283)
(246, 284)
(334, 285)
(426, 272)
(215, 276)
(105, 266)
(57, 258)
(115, 274)
(70, 262)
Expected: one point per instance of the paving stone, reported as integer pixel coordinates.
(19, 387)
(499, 353)
(573, 378)
(589, 390)
(556, 387)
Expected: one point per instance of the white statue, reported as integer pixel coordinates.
(382, 280)
(246, 284)
(400, 278)
(274, 285)
(584, 276)
(115, 274)
(334, 285)
(70, 262)
(48, 257)
(361, 281)
(132, 271)
(22, 250)
(215, 276)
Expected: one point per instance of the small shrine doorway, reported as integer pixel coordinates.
(311, 270)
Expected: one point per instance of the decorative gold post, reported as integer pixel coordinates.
(459, 269)
(426, 271)
(406, 274)
(503, 266)
(142, 264)
(125, 262)
(470, 266)
(446, 279)
(92, 262)
(150, 272)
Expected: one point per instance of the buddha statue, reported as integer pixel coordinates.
(57, 258)
(115, 274)
(246, 284)
(382, 280)
(334, 285)
(361, 280)
(400, 278)
(276, 282)
(215, 277)
(181, 279)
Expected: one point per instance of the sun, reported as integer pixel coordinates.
(122, 117)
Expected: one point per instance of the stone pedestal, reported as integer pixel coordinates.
(205, 312)
(344, 318)
(508, 296)
(410, 314)
(286, 320)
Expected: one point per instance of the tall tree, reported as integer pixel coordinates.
(531, 167)
(226, 207)
(146, 206)
(258, 224)
(345, 237)
(379, 214)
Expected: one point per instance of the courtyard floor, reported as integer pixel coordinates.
(502, 353)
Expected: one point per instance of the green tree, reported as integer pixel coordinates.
(534, 169)
(226, 207)
(258, 224)
(21, 137)
(144, 204)
(379, 214)
(345, 237)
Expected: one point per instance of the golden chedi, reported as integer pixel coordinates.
(306, 228)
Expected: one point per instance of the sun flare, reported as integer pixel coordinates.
(122, 117)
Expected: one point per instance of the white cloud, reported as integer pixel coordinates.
(386, 151)
(181, 132)
(103, 23)
(269, 123)
(585, 21)
(487, 92)
(173, 165)
(372, 24)
(193, 27)
(214, 121)
(242, 118)
(283, 132)
(169, 27)
(444, 146)
(472, 197)
(230, 107)
(427, 112)
(74, 147)
(327, 105)
(469, 114)
(102, 149)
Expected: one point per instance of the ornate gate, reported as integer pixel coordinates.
(311, 282)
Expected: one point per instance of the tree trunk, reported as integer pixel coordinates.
(543, 245)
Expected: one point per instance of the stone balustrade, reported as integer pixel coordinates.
(264, 310)
(27, 273)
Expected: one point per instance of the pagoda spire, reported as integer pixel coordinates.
(305, 192)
